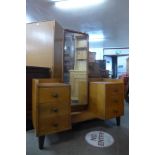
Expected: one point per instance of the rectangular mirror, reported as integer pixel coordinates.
(75, 65)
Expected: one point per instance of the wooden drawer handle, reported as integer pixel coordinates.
(55, 95)
(115, 111)
(115, 90)
(55, 125)
(115, 101)
(55, 110)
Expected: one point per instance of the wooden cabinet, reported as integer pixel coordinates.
(51, 107)
(51, 104)
(106, 99)
(65, 53)
(44, 46)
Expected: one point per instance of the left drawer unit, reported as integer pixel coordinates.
(51, 109)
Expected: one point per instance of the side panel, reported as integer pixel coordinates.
(92, 98)
(101, 103)
(58, 51)
(34, 103)
(97, 99)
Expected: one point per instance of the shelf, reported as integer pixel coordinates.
(81, 48)
(81, 38)
(81, 59)
(82, 116)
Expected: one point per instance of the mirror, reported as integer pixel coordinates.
(75, 65)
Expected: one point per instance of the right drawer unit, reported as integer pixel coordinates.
(114, 99)
(106, 99)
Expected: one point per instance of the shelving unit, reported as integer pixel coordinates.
(81, 52)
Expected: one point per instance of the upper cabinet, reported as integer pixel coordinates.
(44, 46)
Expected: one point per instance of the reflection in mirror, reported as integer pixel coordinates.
(75, 65)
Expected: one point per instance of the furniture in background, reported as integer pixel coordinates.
(125, 78)
(31, 73)
(97, 69)
(92, 56)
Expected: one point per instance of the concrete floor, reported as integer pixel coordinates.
(73, 142)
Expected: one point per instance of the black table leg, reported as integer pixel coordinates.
(41, 140)
(118, 119)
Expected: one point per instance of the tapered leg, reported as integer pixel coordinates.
(41, 140)
(118, 119)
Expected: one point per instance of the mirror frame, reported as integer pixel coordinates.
(78, 107)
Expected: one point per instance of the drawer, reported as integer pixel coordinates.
(114, 89)
(54, 94)
(53, 109)
(114, 100)
(54, 124)
(115, 106)
(115, 111)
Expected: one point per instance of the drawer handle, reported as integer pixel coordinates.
(115, 111)
(55, 110)
(55, 95)
(115, 90)
(115, 101)
(55, 125)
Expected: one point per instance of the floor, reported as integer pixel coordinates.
(73, 142)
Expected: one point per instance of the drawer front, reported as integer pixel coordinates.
(114, 89)
(53, 109)
(115, 111)
(114, 100)
(115, 106)
(54, 124)
(54, 94)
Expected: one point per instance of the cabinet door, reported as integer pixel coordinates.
(40, 44)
